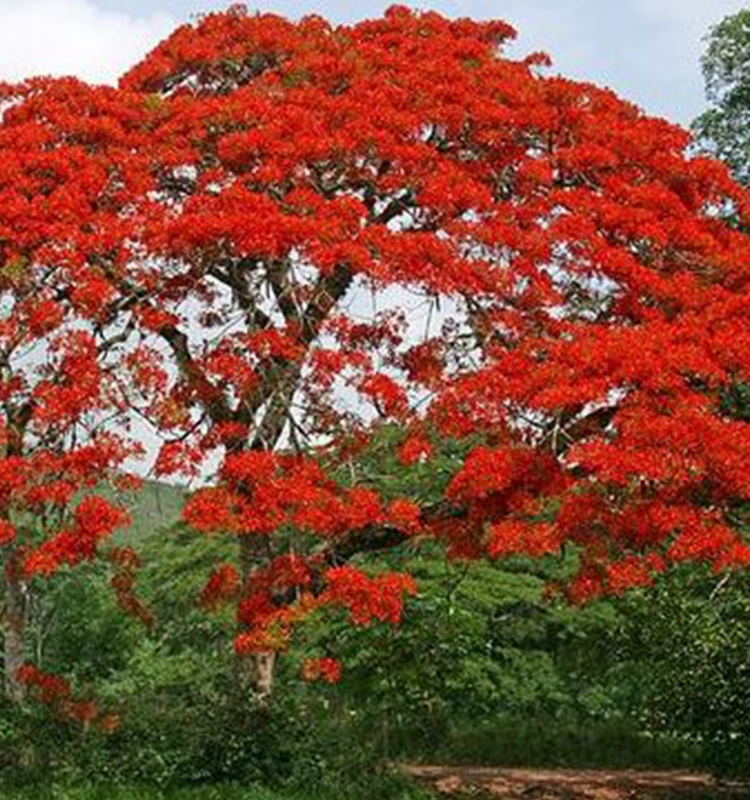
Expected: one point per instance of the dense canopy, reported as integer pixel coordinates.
(274, 239)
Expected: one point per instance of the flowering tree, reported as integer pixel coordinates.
(323, 230)
(57, 396)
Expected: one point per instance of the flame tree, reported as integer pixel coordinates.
(59, 403)
(313, 231)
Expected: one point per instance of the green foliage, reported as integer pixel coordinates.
(77, 628)
(391, 788)
(735, 402)
(184, 720)
(483, 669)
(689, 638)
(724, 129)
(509, 740)
(379, 466)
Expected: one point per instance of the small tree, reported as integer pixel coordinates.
(57, 398)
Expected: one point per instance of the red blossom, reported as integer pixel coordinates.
(327, 670)
(7, 532)
(414, 449)
(223, 585)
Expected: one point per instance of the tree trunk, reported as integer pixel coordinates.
(264, 675)
(258, 671)
(14, 623)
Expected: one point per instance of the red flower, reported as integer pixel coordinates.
(7, 532)
(327, 670)
(223, 585)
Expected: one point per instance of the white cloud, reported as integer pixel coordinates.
(73, 37)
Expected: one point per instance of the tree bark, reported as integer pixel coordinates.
(275, 392)
(258, 671)
(14, 623)
(264, 676)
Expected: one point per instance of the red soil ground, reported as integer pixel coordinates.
(568, 784)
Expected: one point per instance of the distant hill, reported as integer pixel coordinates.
(155, 506)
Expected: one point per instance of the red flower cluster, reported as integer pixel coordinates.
(55, 692)
(48, 688)
(94, 519)
(380, 598)
(126, 562)
(263, 492)
(223, 585)
(327, 670)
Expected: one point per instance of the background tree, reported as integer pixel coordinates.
(58, 403)
(723, 128)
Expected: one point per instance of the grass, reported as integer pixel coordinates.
(223, 792)
(510, 742)
(147, 793)
(385, 787)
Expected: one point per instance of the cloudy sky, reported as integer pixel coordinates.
(647, 50)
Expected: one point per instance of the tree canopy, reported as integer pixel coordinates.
(274, 239)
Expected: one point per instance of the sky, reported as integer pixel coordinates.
(646, 50)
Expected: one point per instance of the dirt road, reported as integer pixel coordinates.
(569, 784)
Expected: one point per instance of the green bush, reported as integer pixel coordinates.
(689, 641)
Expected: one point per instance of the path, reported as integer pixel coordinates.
(574, 784)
